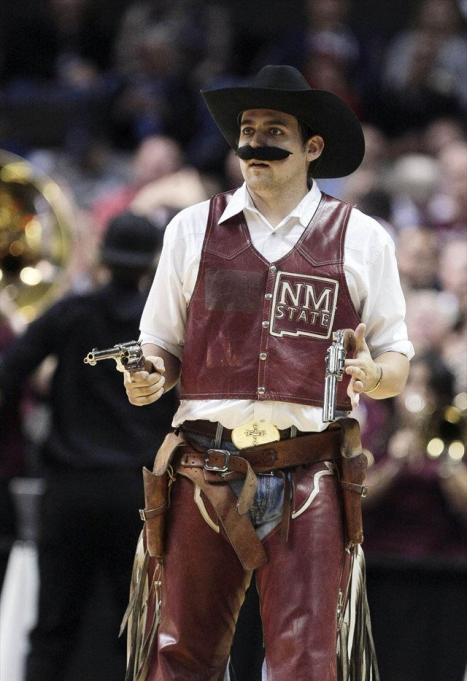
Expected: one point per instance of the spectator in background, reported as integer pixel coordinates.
(453, 270)
(203, 52)
(440, 133)
(96, 446)
(165, 52)
(208, 149)
(156, 97)
(416, 532)
(57, 74)
(453, 276)
(325, 31)
(372, 174)
(62, 41)
(162, 199)
(424, 73)
(418, 259)
(430, 317)
(412, 184)
(156, 157)
(450, 204)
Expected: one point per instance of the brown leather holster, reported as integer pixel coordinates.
(352, 465)
(156, 495)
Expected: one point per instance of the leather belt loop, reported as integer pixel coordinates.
(286, 507)
(218, 438)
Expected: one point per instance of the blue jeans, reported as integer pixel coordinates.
(266, 510)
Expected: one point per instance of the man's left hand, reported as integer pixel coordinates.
(364, 372)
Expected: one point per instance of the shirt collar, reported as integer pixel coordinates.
(304, 211)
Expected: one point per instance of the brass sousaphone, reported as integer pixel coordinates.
(35, 238)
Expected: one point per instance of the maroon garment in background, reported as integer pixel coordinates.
(414, 520)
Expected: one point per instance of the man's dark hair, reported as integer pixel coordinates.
(306, 132)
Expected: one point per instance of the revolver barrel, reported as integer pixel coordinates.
(96, 355)
(329, 406)
(335, 362)
(128, 356)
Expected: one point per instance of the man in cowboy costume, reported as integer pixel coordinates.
(249, 288)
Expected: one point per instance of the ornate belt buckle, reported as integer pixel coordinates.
(254, 433)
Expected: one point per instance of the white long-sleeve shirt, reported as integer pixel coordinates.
(371, 273)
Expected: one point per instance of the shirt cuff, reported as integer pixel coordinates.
(402, 347)
(174, 350)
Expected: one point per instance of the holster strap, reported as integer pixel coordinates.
(361, 490)
(238, 528)
(166, 452)
(146, 514)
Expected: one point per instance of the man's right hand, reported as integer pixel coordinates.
(147, 386)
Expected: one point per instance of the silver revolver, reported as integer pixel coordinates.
(128, 356)
(335, 358)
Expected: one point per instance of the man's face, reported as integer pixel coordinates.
(264, 127)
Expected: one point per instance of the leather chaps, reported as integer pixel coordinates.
(204, 584)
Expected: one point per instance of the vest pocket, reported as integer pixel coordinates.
(233, 290)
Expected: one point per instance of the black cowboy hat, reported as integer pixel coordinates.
(283, 88)
(130, 240)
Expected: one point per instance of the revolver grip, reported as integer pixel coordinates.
(349, 340)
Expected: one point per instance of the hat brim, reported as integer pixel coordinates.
(324, 112)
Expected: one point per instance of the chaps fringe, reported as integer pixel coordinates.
(143, 612)
(355, 647)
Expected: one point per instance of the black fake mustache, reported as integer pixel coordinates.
(247, 153)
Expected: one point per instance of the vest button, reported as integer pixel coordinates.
(263, 355)
(273, 269)
(265, 324)
(268, 296)
(261, 390)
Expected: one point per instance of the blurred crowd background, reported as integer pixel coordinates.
(103, 99)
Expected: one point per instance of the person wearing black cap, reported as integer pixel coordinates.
(96, 446)
(249, 289)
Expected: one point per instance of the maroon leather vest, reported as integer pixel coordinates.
(258, 330)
